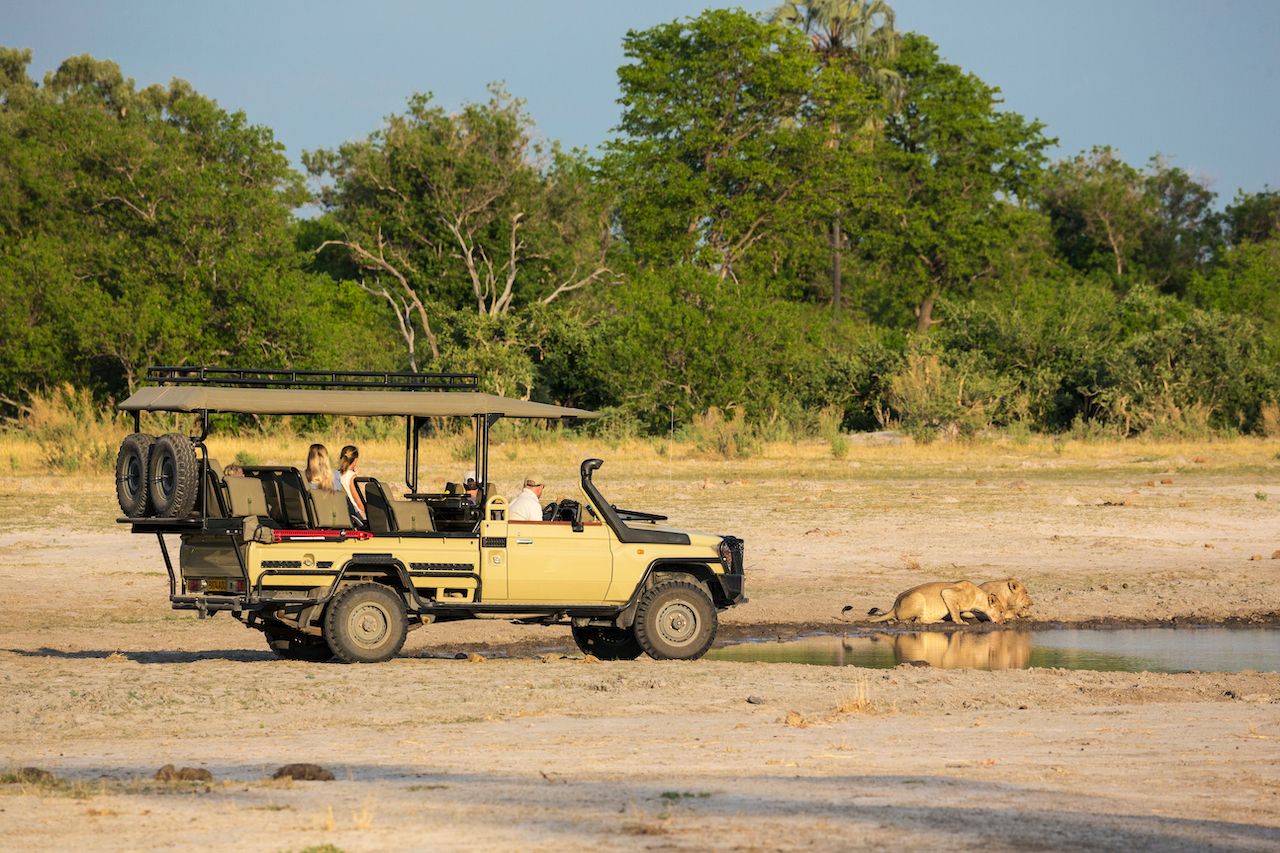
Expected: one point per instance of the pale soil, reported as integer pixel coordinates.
(98, 678)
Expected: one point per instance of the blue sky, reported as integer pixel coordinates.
(1198, 82)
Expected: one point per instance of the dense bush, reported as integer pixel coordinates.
(791, 234)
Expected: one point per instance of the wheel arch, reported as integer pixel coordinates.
(376, 568)
(672, 568)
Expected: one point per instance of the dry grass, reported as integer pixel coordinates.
(447, 458)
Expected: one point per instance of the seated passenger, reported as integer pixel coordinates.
(320, 474)
(527, 506)
(347, 461)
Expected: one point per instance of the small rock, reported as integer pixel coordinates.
(918, 663)
(1124, 586)
(755, 700)
(303, 773)
(35, 776)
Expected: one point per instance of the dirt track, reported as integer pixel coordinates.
(538, 753)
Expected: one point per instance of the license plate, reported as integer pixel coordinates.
(216, 584)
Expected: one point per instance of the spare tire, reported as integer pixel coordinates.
(132, 474)
(175, 476)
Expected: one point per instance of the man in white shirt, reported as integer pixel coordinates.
(527, 506)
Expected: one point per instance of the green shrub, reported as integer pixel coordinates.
(729, 437)
(931, 397)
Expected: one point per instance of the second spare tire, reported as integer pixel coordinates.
(175, 476)
(132, 467)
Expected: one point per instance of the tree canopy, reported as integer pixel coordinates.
(765, 170)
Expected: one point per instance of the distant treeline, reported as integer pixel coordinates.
(808, 214)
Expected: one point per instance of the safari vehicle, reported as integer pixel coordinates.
(294, 564)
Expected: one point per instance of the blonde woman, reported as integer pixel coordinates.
(347, 462)
(320, 474)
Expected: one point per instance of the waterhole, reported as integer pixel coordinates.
(1114, 650)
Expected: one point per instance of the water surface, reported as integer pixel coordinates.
(1119, 650)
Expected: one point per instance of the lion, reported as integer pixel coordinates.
(965, 649)
(935, 602)
(1014, 599)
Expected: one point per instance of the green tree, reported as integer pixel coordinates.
(1253, 217)
(722, 155)
(856, 34)
(1099, 208)
(1246, 282)
(442, 215)
(141, 226)
(956, 169)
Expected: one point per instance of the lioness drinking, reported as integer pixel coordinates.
(934, 602)
(1013, 597)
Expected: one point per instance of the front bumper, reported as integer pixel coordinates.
(733, 589)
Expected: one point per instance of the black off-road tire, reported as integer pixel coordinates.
(174, 476)
(608, 643)
(366, 623)
(291, 644)
(132, 473)
(676, 621)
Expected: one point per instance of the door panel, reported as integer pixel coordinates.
(548, 562)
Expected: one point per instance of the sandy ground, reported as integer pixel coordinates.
(102, 683)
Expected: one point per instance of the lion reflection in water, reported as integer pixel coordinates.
(963, 649)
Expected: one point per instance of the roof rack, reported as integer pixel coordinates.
(235, 377)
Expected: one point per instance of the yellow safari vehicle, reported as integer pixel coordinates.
(294, 563)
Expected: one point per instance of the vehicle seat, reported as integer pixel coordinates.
(246, 496)
(332, 510)
(214, 503)
(413, 516)
(379, 515)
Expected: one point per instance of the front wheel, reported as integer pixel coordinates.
(366, 623)
(291, 644)
(676, 621)
(607, 643)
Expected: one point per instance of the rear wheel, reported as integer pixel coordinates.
(291, 644)
(608, 643)
(131, 474)
(174, 476)
(676, 621)
(366, 623)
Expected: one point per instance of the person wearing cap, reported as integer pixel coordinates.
(527, 506)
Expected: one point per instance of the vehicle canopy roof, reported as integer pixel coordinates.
(290, 401)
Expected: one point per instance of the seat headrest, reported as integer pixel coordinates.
(246, 496)
(332, 509)
(413, 516)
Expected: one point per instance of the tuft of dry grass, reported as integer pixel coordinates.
(857, 703)
(363, 819)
